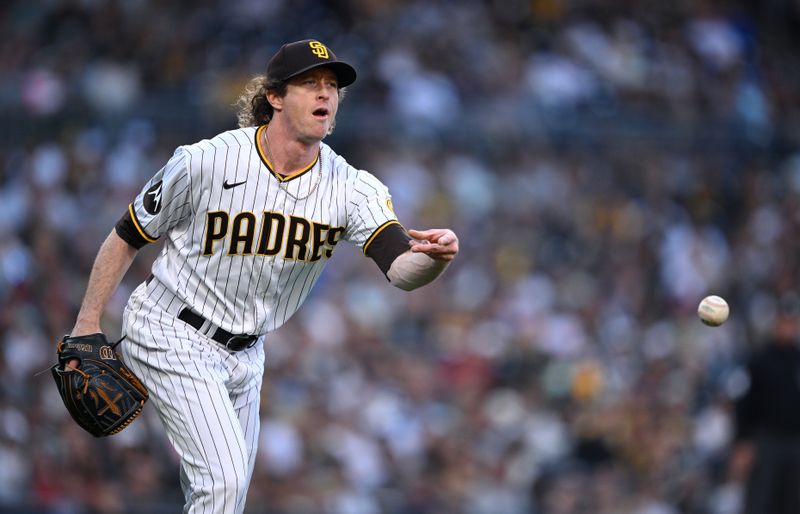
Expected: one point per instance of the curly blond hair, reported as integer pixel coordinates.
(253, 107)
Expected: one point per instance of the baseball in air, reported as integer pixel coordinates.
(713, 310)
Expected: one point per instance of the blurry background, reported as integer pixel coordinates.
(605, 163)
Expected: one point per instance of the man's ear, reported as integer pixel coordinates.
(275, 100)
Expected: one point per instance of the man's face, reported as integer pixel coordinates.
(310, 104)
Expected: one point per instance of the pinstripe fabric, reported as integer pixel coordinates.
(206, 397)
(246, 292)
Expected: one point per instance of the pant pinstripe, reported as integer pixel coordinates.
(207, 399)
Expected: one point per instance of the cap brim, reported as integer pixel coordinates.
(345, 74)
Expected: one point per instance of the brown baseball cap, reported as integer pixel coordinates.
(295, 58)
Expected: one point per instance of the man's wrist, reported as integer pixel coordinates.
(85, 326)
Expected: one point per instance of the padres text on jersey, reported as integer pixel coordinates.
(245, 245)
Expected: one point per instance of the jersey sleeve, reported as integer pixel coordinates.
(387, 245)
(163, 203)
(369, 211)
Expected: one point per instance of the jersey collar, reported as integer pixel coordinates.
(269, 166)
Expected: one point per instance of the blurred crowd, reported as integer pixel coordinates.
(606, 165)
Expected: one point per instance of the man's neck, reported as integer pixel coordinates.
(286, 154)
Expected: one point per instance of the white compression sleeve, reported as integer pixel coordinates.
(412, 270)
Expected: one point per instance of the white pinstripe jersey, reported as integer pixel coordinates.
(243, 246)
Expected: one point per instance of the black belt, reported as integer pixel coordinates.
(233, 342)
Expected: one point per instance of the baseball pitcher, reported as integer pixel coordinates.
(248, 220)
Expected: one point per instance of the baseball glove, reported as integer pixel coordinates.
(101, 395)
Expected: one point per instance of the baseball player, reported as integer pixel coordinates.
(248, 220)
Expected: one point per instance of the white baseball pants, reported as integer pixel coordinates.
(207, 399)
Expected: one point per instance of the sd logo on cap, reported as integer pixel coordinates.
(295, 58)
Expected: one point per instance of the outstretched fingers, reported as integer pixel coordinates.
(437, 243)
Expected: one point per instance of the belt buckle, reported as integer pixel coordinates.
(240, 342)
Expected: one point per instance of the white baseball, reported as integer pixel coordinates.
(713, 310)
